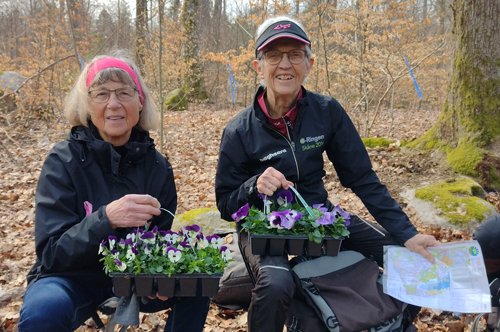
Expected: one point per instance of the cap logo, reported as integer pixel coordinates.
(280, 26)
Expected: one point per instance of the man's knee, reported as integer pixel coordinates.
(276, 284)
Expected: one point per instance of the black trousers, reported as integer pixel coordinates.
(488, 236)
(274, 288)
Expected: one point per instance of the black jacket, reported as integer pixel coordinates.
(82, 169)
(249, 146)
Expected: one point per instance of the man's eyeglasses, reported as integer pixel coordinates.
(102, 95)
(294, 56)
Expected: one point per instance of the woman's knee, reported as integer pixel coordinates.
(50, 304)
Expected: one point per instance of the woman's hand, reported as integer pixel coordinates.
(419, 242)
(270, 181)
(132, 210)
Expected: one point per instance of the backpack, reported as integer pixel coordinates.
(343, 294)
(235, 285)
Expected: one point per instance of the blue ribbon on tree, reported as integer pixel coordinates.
(232, 81)
(411, 73)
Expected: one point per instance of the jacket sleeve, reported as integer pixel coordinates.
(64, 239)
(234, 185)
(351, 161)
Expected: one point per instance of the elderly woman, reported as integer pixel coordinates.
(104, 179)
(268, 147)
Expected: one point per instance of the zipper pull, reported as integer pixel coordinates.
(292, 145)
(287, 122)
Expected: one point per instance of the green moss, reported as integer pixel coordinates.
(193, 214)
(208, 219)
(455, 198)
(176, 100)
(464, 158)
(494, 178)
(374, 142)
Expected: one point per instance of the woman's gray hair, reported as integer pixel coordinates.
(266, 24)
(78, 109)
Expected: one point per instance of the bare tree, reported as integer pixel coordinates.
(468, 127)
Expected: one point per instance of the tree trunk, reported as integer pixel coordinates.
(468, 128)
(194, 83)
(140, 30)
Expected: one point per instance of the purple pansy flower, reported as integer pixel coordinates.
(319, 207)
(284, 219)
(174, 254)
(327, 218)
(285, 197)
(112, 241)
(340, 213)
(241, 213)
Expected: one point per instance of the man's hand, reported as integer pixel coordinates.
(419, 242)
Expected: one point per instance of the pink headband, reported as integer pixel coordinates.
(112, 63)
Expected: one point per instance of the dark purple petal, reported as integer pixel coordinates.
(262, 197)
(135, 251)
(148, 235)
(223, 248)
(162, 233)
(286, 195)
(112, 238)
(118, 262)
(155, 229)
(129, 241)
(114, 251)
(210, 237)
(185, 244)
(241, 213)
(103, 243)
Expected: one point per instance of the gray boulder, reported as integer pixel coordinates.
(10, 80)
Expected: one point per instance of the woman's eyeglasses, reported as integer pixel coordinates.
(102, 95)
(294, 56)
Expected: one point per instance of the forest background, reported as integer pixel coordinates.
(363, 50)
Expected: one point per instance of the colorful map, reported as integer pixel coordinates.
(455, 282)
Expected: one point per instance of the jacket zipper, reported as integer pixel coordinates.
(292, 147)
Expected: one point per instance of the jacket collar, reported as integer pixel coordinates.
(104, 153)
(259, 113)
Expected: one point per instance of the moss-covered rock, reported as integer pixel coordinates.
(176, 100)
(208, 219)
(374, 142)
(464, 159)
(457, 201)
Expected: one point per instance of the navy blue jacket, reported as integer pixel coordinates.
(249, 146)
(84, 168)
